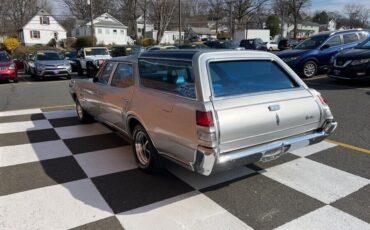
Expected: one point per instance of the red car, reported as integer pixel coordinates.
(8, 69)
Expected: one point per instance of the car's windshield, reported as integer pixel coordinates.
(49, 56)
(364, 45)
(312, 42)
(4, 57)
(71, 54)
(96, 51)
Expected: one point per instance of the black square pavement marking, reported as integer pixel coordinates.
(345, 159)
(22, 177)
(27, 137)
(94, 143)
(261, 202)
(110, 223)
(132, 189)
(26, 117)
(66, 121)
(356, 204)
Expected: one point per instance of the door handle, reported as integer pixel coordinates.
(274, 107)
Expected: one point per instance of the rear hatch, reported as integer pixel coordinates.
(256, 102)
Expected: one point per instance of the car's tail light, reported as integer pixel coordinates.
(204, 118)
(12, 67)
(322, 100)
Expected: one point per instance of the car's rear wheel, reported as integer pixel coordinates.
(15, 79)
(309, 69)
(146, 155)
(82, 115)
(271, 49)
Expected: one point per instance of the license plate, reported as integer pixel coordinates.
(337, 72)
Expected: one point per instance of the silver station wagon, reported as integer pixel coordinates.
(205, 110)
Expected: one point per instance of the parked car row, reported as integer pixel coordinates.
(317, 52)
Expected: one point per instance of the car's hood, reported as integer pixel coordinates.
(7, 63)
(354, 54)
(291, 53)
(52, 62)
(96, 57)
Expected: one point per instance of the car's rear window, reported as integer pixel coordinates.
(246, 76)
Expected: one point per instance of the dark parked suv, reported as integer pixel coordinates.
(253, 44)
(352, 64)
(287, 44)
(316, 52)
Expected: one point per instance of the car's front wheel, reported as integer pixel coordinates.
(82, 115)
(146, 155)
(309, 69)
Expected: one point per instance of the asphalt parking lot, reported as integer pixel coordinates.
(56, 173)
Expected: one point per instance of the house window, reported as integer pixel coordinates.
(139, 30)
(100, 31)
(106, 31)
(115, 32)
(44, 20)
(122, 32)
(35, 34)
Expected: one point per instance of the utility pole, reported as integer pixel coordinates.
(89, 2)
(144, 29)
(179, 22)
(231, 25)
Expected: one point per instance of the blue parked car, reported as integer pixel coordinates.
(316, 52)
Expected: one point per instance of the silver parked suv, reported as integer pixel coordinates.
(206, 110)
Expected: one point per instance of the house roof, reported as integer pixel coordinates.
(107, 23)
(43, 12)
(202, 30)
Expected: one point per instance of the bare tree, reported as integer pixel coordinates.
(129, 11)
(281, 8)
(217, 11)
(244, 9)
(18, 12)
(364, 16)
(295, 8)
(81, 10)
(161, 14)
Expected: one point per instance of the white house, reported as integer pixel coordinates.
(332, 25)
(305, 29)
(41, 29)
(107, 30)
(140, 27)
(170, 37)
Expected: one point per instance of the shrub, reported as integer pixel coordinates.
(84, 41)
(11, 44)
(145, 41)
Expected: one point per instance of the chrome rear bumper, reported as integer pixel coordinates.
(208, 163)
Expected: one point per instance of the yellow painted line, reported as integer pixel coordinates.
(359, 149)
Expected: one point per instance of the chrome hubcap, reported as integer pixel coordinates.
(79, 110)
(142, 148)
(309, 69)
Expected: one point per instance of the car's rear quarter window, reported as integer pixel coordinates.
(246, 76)
(168, 75)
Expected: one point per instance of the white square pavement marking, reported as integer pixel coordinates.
(60, 114)
(53, 207)
(81, 130)
(309, 150)
(188, 211)
(328, 218)
(20, 112)
(24, 126)
(19, 154)
(198, 181)
(107, 161)
(317, 180)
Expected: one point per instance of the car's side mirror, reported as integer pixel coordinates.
(325, 46)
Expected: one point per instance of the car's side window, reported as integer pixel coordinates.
(123, 76)
(348, 38)
(169, 76)
(104, 77)
(334, 41)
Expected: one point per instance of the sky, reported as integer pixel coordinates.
(335, 5)
(328, 5)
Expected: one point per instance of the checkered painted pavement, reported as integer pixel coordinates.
(56, 173)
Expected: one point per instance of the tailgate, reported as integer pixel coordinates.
(257, 119)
